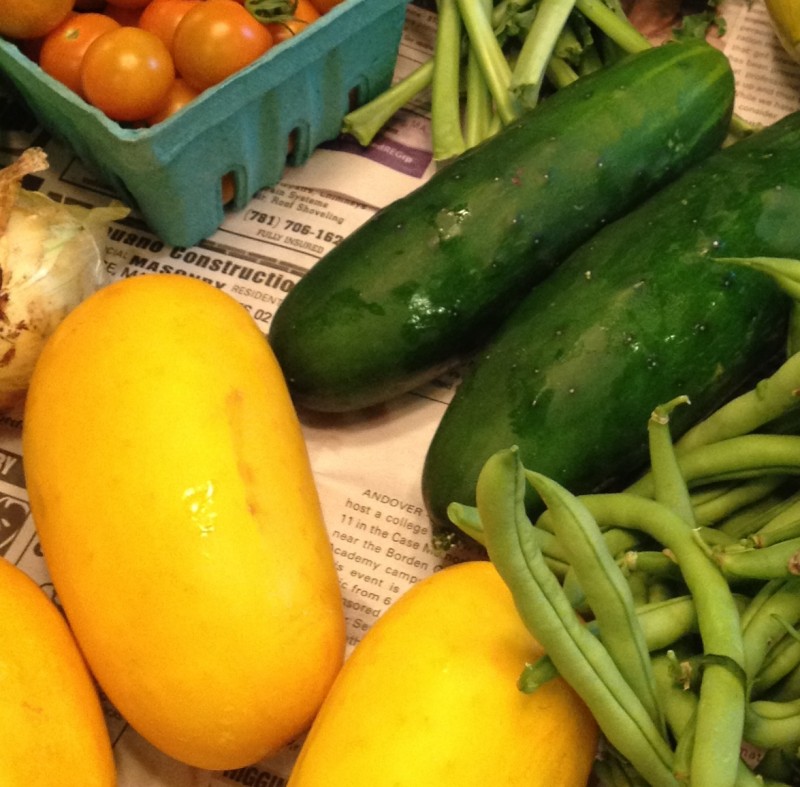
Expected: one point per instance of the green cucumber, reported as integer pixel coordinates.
(420, 285)
(638, 315)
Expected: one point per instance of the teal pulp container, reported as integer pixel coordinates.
(172, 172)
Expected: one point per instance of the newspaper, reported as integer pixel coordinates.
(367, 465)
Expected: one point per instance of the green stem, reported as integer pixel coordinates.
(366, 121)
(490, 56)
(614, 25)
(537, 49)
(478, 115)
(448, 140)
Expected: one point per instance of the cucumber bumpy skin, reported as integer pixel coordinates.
(416, 288)
(638, 315)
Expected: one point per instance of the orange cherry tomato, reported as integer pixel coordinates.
(178, 96)
(217, 39)
(127, 73)
(127, 17)
(63, 48)
(323, 6)
(128, 3)
(162, 17)
(305, 13)
(26, 19)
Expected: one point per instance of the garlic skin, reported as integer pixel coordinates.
(51, 258)
(785, 16)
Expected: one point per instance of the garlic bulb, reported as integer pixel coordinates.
(785, 16)
(51, 258)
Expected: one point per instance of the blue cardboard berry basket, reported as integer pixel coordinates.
(172, 172)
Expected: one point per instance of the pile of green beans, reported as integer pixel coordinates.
(686, 647)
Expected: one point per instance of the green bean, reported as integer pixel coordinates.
(578, 655)
(659, 590)
(773, 725)
(604, 587)
(735, 458)
(736, 498)
(757, 516)
(770, 536)
(669, 485)
(684, 749)
(771, 562)
(778, 663)
(787, 689)
(766, 401)
(774, 608)
(663, 623)
(467, 519)
(722, 694)
(784, 514)
(679, 705)
(611, 772)
(652, 563)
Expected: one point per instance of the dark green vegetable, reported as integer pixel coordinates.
(426, 280)
(640, 314)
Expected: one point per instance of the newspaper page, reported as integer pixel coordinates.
(367, 465)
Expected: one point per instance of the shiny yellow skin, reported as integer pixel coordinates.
(785, 16)
(172, 492)
(429, 699)
(51, 722)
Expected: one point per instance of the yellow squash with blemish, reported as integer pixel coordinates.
(429, 698)
(172, 492)
(51, 722)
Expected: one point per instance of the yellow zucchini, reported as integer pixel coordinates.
(51, 721)
(171, 489)
(785, 16)
(429, 698)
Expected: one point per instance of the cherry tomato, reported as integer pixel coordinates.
(26, 19)
(162, 17)
(323, 6)
(127, 17)
(63, 48)
(90, 5)
(128, 3)
(127, 73)
(178, 96)
(216, 39)
(305, 13)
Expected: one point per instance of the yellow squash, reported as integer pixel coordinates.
(172, 492)
(51, 722)
(429, 699)
(785, 16)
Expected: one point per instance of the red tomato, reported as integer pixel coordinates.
(162, 17)
(63, 49)
(304, 14)
(178, 96)
(127, 73)
(32, 18)
(216, 39)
